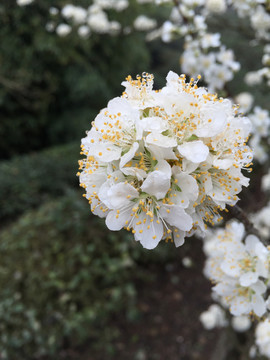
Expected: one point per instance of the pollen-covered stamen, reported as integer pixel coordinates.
(139, 89)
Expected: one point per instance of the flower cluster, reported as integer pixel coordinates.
(239, 270)
(87, 20)
(262, 337)
(163, 163)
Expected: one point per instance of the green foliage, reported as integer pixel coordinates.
(52, 87)
(61, 277)
(26, 181)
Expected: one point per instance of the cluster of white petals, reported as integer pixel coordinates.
(238, 269)
(262, 337)
(164, 163)
(260, 120)
(93, 19)
(217, 67)
(213, 317)
(24, 2)
(261, 218)
(144, 23)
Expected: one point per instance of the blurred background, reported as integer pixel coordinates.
(71, 289)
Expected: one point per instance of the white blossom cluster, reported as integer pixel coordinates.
(218, 67)
(204, 52)
(93, 19)
(260, 120)
(262, 337)
(261, 218)
(259, 142)
(24, 2)
(215, 317)
(163, 163)
(238, 266)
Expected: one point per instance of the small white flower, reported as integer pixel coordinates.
(262, 336)
(24, 2)
(241, 323)
(53, 11)
(213, 317)
(216, 6)
(84, 31)
(237, 269)
(76, 13)
(63, 30)
(144, 23)
(245, 100)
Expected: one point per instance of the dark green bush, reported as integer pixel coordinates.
(27, 181)
(61, 277)
(52, 86)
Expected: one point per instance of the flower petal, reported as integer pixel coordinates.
(176, 216)
(195, 151)
(148, 231)
(119, 195)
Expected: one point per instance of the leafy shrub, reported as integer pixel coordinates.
(26, 181)
(52, 86)
(62, 276)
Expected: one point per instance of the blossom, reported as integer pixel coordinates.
(262, 337)
(216, 6)
(239, 270)
(84, 31)
(24, 2)
(163, 163)
(63, 30)
(245, 101)
(213, 317)
(241, 323)
(144, 23)
(76, 13)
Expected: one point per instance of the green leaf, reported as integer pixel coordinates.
(177, 188)
(166, 132)
(192, 137)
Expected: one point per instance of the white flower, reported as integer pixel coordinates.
(84, 31)
(53, 11)
(262, 336)
(245, 101)
(260, 21)
(167, 31)
(213, 317)
(237, 269)
(63, 30)
(144, 23)
(216, 6)
(98, 21)
(242, 300)
(187, 262)
(260, 120)
(266, 182)
(241, 323)
(210, 40)
(24, 2)
(259, 151)
(261, 221)
(76, 13)
(253, 78)
(162, 163)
